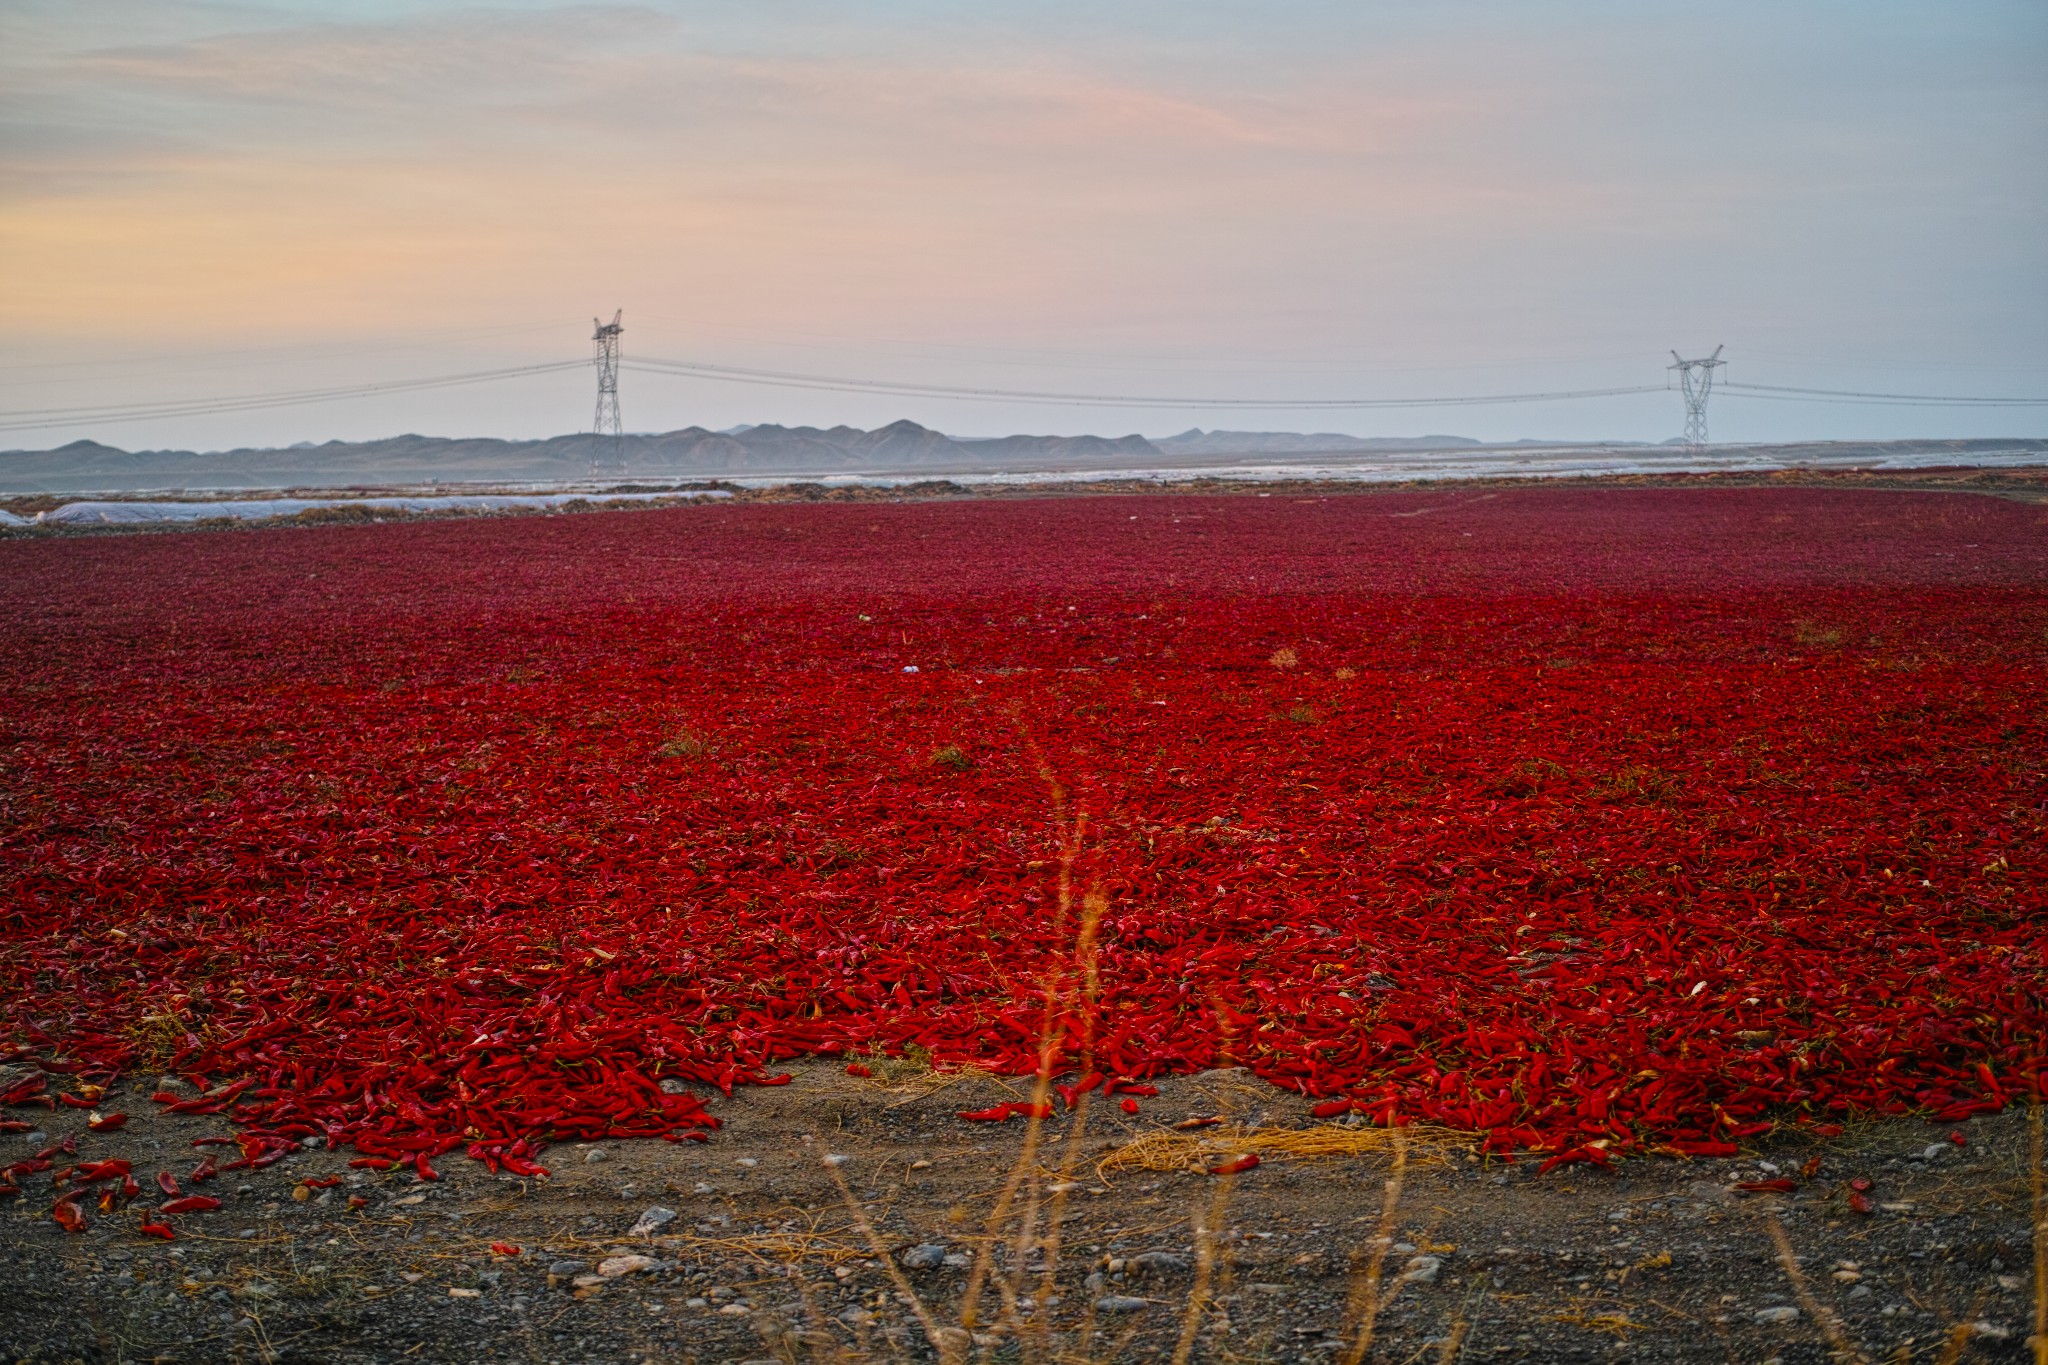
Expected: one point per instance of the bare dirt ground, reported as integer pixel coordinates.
(846, 1219)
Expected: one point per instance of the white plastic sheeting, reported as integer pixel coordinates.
(8, 518)
(262, 509)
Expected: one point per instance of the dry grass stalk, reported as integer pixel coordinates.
(1839, 1345)
(1167, 1150)
(2039, 1341)
(1365, 1301)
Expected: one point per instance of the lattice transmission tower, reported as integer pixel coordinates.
(607, 440)
(1696, 381)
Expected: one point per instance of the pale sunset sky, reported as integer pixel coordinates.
(1173, 197)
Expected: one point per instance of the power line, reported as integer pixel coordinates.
(784, 379)
(30, 418)
(1855, 396)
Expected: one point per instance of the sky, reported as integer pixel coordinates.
(1310, 199)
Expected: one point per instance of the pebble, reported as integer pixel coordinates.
(926, 1256)
(1422, 1270)
(454, 1293)
(596, 1154)
(1119, 1303)
(703, 1187)
(1990, 1331)
(1159, 1263)
(309, 1143)
(1784, 1313)
(856, 1317)
(611, 1267)
(671, 1085)
(655, 1218)
(568, 1267)
(734, 1310)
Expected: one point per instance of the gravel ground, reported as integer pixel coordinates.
(775, 1254)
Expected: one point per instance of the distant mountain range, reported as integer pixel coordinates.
(691, 452)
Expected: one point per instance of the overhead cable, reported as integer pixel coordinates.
(785, 379)
(27, 418)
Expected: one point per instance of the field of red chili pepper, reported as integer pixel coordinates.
(1594, 820)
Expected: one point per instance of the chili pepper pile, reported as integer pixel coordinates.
(1591, 820)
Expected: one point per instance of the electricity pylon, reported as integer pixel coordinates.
(1696, 381)
(607, 444)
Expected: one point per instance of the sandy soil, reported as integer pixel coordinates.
(1430, 1254)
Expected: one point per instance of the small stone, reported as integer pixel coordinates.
(747, 1162)
(696, 1303)
(1847, 1275)
(1861, 1291)
(1772, 1317)
(411, 1276)
(734, 1310)
(300, 1194)
(653, 1220)
(836, 1159)
(925, 1256)
(568, 1267)
(257, 1289)
(597, 1154)
(673, 1085)
(960, 1260)
(1119, 1303)
(455, 1293)
(703, 1187)
(588, 1282)
(1159, 1263)
(1422, 1270)
(1933, 1150)
(1990, 1331)
(2010, 1283)
(309, 1143)
(611, 1267)
(856, 1317)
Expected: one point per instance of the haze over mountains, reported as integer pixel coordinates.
(900, 447)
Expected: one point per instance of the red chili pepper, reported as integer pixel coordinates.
(505, 1249)
(205, 1170)
(1128, 1106)
(993, 1114)
(155, 1228)
(1199, 1121)
(1861, 1184)
(92, 1172)
(1860, 1202)
(856, 1069)
(75, 1102)
(1235, 1165)
(106, 1123)
(1331, 1108)
(321, 1182)
(68, 1215)
(168, 1183)
(1768, 1186)
(420, 1166)
(191, 1203)
(372, 1163)
(1811, 1168)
